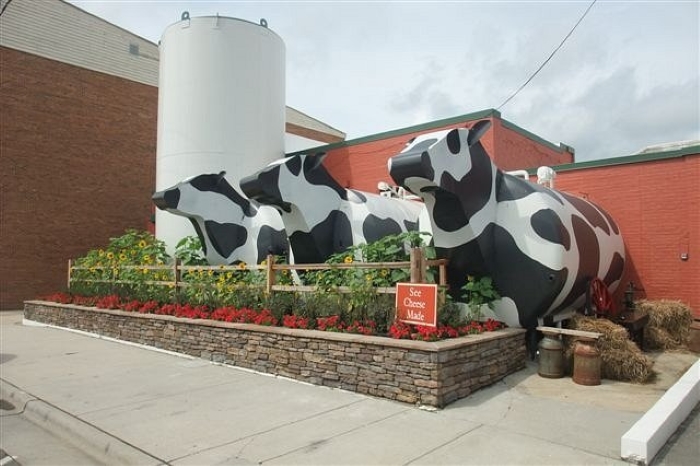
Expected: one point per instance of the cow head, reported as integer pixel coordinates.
(189, 198)
(214, 208)
(450, 170)
(292, 181)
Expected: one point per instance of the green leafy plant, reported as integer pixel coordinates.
(477, 292)
(189, 251)
(124, 267)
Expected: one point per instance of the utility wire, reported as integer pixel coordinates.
(549, 57)
(4, 7)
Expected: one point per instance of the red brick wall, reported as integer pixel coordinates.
(77, 167)
(657, 206)
(514, 150)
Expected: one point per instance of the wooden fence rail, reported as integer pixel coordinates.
(418, 266)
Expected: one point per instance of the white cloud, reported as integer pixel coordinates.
(628, 77)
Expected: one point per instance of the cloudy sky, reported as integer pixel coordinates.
(628, 76)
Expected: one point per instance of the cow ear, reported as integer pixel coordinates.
(478, 130)
(220, 176)
(316, 160)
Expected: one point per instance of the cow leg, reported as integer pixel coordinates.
(532, 339)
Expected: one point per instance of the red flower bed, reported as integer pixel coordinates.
(402, 330)
(398, 330)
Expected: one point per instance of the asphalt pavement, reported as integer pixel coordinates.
(123, 404)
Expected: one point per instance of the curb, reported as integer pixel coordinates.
(649, 434)
(90, 439)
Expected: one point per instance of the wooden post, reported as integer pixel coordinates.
(270, 275)
(443, 275)
(70, 265)
(176, 279)
(417, 265)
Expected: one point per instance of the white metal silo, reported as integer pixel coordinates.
(221, 105)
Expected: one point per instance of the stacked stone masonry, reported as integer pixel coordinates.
(425, 373)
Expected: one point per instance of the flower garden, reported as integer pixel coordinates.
(135, 274)
(338, 330)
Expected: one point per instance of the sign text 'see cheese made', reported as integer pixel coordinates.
(416, 303)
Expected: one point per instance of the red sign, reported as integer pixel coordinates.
(416, 303)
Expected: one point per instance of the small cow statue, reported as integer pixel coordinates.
(321, 217)
(540, 246)
(231, 228)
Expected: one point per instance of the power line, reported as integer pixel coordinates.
(4, 7)
(549, 57)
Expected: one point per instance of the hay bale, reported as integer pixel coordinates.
(669, 324)
(620, 358)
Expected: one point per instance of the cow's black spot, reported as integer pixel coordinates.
(410, 226)
(225, 237)
(589, 259)
(375, 228)
(204, 182)
(172, 198)
(414, 163)
(464, 260)
(617, 266)
(218, 184)
(263, 187)
(331, 235)
(304, 248)
(447, 213)
(200, 235)
(531, 285)
(294, 165)
(342, 233)
(271, 241)
(474, 189)
(549, 226)
(589, 211)
(453, 142)
(510, 188)
(316, 174)
(611, 222)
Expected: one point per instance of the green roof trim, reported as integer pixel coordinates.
(398, 132)
(627, 159)
(488, 113)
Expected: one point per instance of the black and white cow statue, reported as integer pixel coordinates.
(231, 228)
(320, 216)
(540, 246)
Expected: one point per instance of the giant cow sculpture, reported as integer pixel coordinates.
(321, 217)
(230, 227)
(541, 247)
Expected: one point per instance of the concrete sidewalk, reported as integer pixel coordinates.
(129, 405)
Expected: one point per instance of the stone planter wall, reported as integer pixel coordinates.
(426, 373)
